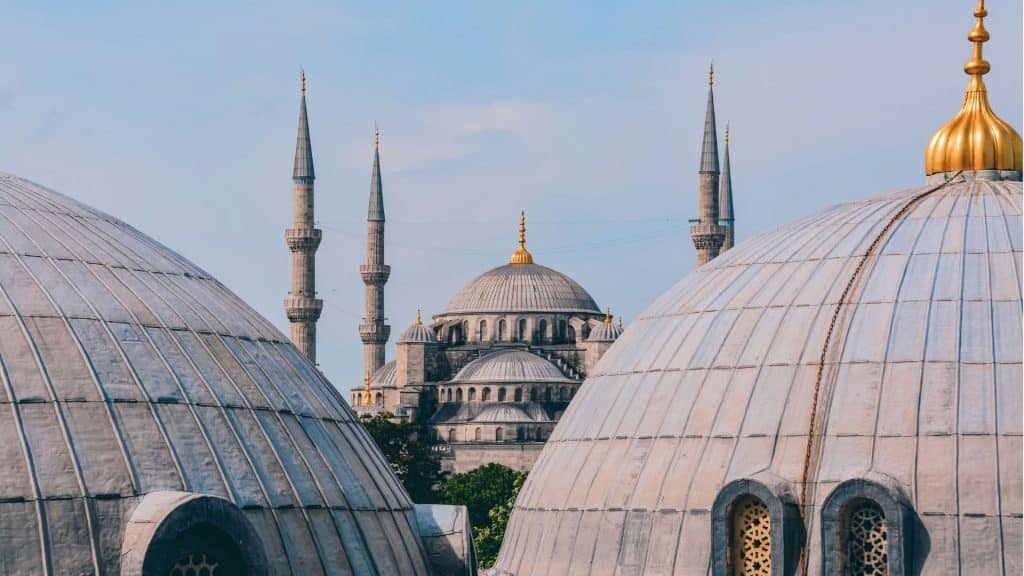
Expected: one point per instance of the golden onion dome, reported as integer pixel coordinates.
(975, 139)
(521, 255)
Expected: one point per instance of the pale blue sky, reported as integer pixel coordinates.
(180, 118)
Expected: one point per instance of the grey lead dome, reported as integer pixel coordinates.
(521, 288)
(713, 385)
(133, 386)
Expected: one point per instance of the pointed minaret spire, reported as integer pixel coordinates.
(725, 216)
(708, 236)
(373, 331)
(303, 307)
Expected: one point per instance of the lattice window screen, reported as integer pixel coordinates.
(751, 538)
(867, 544)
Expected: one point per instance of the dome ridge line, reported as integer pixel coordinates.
(812, 433)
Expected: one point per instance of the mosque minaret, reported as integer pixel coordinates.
(707, 232)
(726, 217)
(303, 307)
(373, 331)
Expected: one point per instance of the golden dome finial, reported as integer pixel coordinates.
(419, 319)
(975, 139)
(608, 316)
(522, 255)
(367, 394)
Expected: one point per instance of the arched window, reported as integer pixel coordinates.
(571, 334)
(586, 331)
(359, 399)
(501, 329)
(483, 331)
(518, 396)
(572, 393)
(867, 525)
(465, 330)
(501, 394)
(542, 331)
(449, 394)
(533, 394)
(547, 394)
(519, 433)
(485, 395)
(754, 530)
(563, 394)
(522, 330)
(477, 435)
(380, 399)
(458, 395)
(451, 435)
(472, 394)
(498, 435)
(455, 334)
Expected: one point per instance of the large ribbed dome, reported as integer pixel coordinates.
(521, 288)
(133, 386)
(710, 394)
(511, 366)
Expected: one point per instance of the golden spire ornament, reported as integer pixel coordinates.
(419, 319)
(608, 316)
(367, 394)
(522, 255)
(975, 139)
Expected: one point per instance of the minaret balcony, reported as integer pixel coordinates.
(374, 275)
(303, 309)
(706, 235)
(302, 239)
(374, 333)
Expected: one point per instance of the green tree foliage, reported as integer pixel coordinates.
(417, 467)
(488, 493)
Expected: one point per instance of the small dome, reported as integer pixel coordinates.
(606, 331)
(510, 366)
(522, 288)
(503, 413)
(385, 377)
(417, 333)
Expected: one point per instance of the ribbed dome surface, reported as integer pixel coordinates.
(502, 413)
(604, 332)
(509, 366)
(385, 377)
(521, 288)
(714, 383)
(125, 370)
(417, 333)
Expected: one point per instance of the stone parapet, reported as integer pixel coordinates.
(374, 333)
(374, 275)
(303, 239)
(303, 309)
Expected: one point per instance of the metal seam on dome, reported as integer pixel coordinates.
(811, 432)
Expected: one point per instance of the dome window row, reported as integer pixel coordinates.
(528, 330)
(506, 394)
(498, 434)
(757, 530)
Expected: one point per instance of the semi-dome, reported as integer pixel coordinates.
(606, 331)
(516, 288)
(870, 353)
(511, 366)
(385, 377)
(503, 412)
(151, 418)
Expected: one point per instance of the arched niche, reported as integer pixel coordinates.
(885, 493)
(785, 529)
(178, 531)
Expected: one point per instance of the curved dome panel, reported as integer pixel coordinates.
(509, 366)
(714, 383)
(503, 413)
(386, 376)
(521, 288)
(125, 370)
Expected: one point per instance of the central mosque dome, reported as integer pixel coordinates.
(521, 286)
(153, 423)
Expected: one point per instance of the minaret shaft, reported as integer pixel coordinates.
(373, 331)
(303, 307)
